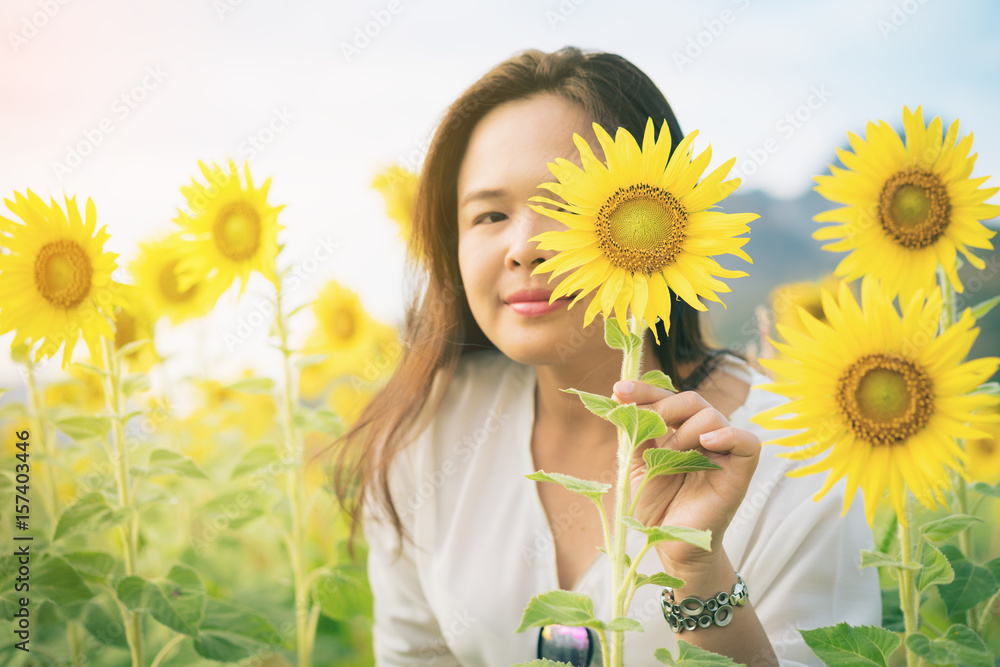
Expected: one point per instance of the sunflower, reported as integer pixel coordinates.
(908, 208)
(134, 323)
(84, 391)
(232, 230)
(398, 187)
(885, 394)
(155, 271)
(639, 227)
(353, 340)
(787, 298)
(984, 455)
(349, 399)
(55, 278)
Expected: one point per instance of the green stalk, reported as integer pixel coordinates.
(631, 362)
(129, 530)
(39, 419)
(295, 489)
(908, 600)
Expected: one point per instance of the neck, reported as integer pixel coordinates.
(564, 413)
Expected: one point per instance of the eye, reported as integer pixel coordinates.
(488, 215)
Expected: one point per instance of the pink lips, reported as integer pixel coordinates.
(531, 303)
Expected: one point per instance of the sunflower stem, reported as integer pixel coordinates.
(620, 583)
(39, 418)
(129, 530)
(295, 489)
(908, 600)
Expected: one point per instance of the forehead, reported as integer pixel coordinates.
(514, 141)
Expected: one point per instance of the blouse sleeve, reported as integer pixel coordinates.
(405, 630)
(801, 567)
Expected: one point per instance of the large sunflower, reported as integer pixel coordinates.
(884, 393)
(908, 208)
(55, 278)
(398, 187)
(639, 226)
(233, 230)
(155, 273)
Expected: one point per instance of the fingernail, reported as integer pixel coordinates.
(708, 438)
(624, 388)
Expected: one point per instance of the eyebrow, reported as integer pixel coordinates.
(483, 194)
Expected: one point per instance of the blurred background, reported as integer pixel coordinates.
(117, 100)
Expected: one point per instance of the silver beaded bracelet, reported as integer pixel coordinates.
(693, 613)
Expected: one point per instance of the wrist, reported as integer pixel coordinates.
(703, 576)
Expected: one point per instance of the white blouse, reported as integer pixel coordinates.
(486, 546)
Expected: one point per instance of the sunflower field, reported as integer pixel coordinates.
(193, 523)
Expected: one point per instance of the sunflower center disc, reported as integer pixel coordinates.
(63, 273)
(885, 398)
(343, 324)
(124, 329)
(914, 208)
(641, 228)
(237, 230)
(168, 284)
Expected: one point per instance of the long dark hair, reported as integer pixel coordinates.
(439, 327)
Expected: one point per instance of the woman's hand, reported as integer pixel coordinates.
(705, 500)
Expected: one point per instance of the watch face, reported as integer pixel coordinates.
(579, 647)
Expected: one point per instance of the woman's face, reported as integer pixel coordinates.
(505, 161)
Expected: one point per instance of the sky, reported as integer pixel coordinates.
(118, 100)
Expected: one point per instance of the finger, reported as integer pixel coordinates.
(640, 393)
(731, 440)
(687, 435)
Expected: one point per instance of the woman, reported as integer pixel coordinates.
(458, 540)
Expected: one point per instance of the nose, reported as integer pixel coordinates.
(520, 250)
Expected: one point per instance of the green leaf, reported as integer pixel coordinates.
(177, 602)
(92, 565)
(561, 607)
(90, 513)
(230, 633)
(871, 558)
(310, 360)
(57, 580)
(624, 623)
(658, 579)
(983, 307)
(614, 336)
(131, 348)
(13, 410)
(972, 584)
(135, 383)
(82, 428)
(586, 487)
(264, 456)
(343, 593)
(699, 538)
(253, 386)
(843, 645)
(104, 623)
(91, 368)
(936, 568)
(958, 646)
(599, 405)
(321, 420)
(671, 462)
(626, 417)
(170, 461)
(941, 529)
(651, 425)
(658, 379)
(984, 489)
(689, 655)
